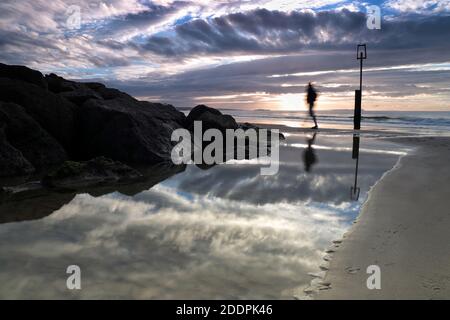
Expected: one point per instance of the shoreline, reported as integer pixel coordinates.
(408, 240)
(319, 282)
(380, 133)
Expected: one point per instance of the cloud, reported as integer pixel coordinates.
(419, 6)
(153, 19)
(42, 16)
(274, 32)
(259, 31)
(36, 34)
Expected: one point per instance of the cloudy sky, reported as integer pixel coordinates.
(239, 54)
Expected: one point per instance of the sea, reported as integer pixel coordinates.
(421, 122)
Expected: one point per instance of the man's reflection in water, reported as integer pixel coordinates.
(309, 155)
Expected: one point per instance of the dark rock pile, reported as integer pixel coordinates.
(46, 120)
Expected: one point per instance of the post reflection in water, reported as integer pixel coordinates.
(355, 190)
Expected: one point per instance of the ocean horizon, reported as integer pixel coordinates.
(423, 122)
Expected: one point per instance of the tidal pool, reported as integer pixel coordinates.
(222, 233)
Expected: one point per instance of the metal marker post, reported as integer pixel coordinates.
(361, 54)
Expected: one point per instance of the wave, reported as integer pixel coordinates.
(440, 120)
(375, 119)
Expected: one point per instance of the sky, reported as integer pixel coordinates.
(249, 54)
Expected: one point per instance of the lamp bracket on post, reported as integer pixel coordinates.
(361, 51)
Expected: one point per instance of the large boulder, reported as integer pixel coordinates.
(127, 130)
(79, 92)
(112, 123)
(53, 113)
(73, 91)
(12, 161)
(24, 74)
(26, 135)
(210, 118)
(197, 111)
(107, 93)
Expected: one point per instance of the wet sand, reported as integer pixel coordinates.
(404, 228)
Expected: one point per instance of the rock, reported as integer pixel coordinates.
(26, 135)
(75, 92)
(211, 119)
(246, 126)
(111, 123)
(24, 74)
(197, 111)
(31, 204)
(12, 161)
(152, 175)
(98, 171)
(58, 84)
(53, 113)
(127, 130)
(106, 121)
(214, 119)
(79, 92)
(31, 201)
(24, 187)
(79, 96)
(107, 93)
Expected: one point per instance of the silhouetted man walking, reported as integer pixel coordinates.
(311, 99)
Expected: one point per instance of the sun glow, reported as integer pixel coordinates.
(291, 101)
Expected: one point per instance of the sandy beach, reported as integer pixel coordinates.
(403, 228)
